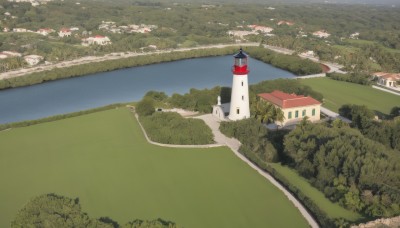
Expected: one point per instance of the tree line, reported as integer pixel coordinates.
(51, 210)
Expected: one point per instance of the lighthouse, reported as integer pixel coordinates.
(239, 108)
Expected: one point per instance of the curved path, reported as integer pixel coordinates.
(234, 145)
(132, 109)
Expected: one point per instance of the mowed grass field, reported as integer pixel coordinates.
(333, 210)
(103, 159)
(338, 93)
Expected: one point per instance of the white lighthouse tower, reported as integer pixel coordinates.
(240, 108)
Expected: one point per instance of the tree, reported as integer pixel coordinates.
(145, 107)
(52, 210)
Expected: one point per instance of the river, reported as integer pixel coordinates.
(125, 85)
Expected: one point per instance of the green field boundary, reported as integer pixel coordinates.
(338, 93)
(333, 210)
(59, 117)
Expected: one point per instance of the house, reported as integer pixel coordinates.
(33, 59)
(388, 79)
(294, 107)
(241, 34)
(20, 30)
(45, 31)
(64, 32)
(354, 35)
(9, 54)
(321, 34)
(260, 28)
(289, 23)
(99, 40)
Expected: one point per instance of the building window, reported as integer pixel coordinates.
(242, 98)
(296, 114)
(304, 113)
(290, 115)
(313, 112)
(237, 111)
(242, 83)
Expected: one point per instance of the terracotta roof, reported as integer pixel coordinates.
(392, 76)
(285, 100)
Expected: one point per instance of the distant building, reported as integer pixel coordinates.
(33, 59)
(45, 31)
(241, 34)
(289, 23)
(294, 107)
(321, 34)
(388, 79)
(9, 54)
(259, 28)
(354, 35)
(20, 30)
(99, 40)
(64, 32)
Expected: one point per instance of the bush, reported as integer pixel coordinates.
(354, 78)
(171, 128)
(253, 136)
(145, 107)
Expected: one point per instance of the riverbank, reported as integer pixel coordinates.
(95, 64)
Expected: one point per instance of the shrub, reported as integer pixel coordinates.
(145, 107)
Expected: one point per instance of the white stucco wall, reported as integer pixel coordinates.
(295, 120)
(240, 108)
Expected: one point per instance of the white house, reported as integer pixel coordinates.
(321, 34)
(289, 23)
(99, 40)
(294, 107)
(45, 31)
(33, 59)
(260, 28)
(388, 79)
(64, 32)
(241, 34)
(9, 54)
(20, 30)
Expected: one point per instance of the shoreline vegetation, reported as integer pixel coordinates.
(294, 64)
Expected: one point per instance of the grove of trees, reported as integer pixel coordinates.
(51, 210)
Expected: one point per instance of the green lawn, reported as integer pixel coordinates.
(333, 210)
(338, 93)
(103, 159)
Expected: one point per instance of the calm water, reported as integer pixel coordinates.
(70, 95)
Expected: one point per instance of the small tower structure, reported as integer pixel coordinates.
(240, 108)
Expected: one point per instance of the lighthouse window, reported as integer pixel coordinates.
(242, 98)
(237, 111)
(242, 83)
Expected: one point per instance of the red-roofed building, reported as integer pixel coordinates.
(64, 32)
(388, 79)
(294, 107)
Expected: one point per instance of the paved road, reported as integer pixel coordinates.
(334, 115)
(234, 145)
(386, 90)
(334, 67)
